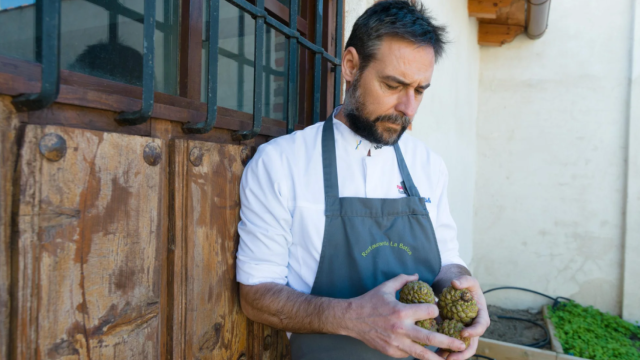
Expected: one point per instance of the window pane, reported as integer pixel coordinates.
(235, 59)
(235, 63)
(102, 38)
(275, 61)
(287, 3)
(17, 26)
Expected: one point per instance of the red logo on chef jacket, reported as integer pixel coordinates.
(401, 190)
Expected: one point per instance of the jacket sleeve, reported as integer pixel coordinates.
(265, 225)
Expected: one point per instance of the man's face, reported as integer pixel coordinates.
(381, 102)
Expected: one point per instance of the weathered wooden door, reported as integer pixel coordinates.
(208, 321)
(124, 248)
(91, 245)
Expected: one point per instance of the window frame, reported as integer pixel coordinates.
(19, 76)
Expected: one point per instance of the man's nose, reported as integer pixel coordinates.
(407, 103)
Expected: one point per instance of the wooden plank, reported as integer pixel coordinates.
(206, 293)
(191, 49)
(16, 78)
(555, 343)
(208, 322)
(83, 118)
(514, 14)
(177, 263)
(91, 241)
(268, 343)
(569, 357)
(329, 44)
(9, 134)
(486, 9)
(505, 351)
(31, 71)
(281, 13)
(497, 35)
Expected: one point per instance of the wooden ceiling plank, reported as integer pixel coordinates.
(512, 15)
(486, 9)
(497, 35)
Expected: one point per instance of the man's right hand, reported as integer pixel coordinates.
(383, 323)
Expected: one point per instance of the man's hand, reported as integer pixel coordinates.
(480, 324)
(380, 321)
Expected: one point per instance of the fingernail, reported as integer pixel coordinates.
(461, 347)
(456, 283)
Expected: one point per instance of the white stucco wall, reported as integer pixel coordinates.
(447, 116)
(552, 154)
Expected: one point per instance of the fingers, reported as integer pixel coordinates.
(482, 322)
(479, 326)
(419, 352)
(469, 352)
(398, 282)
(466, 282)
(423, 336)
(416, 312)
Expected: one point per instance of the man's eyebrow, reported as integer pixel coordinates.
(403, 82)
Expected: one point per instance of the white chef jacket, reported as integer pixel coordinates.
(282, 200)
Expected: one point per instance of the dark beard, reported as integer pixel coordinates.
(367, 128)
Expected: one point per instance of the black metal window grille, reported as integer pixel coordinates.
(48, 15)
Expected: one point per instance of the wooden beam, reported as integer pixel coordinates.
(486, 9)
(497, 35)
(513, 14)
(505, 351)
(9, 135)
(555, 343)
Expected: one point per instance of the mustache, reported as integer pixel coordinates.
(395, 119)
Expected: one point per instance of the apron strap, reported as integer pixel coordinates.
(409, 186)
(330, 168)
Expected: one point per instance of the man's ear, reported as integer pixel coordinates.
(350, 64)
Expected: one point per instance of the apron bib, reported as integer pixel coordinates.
(366, 242)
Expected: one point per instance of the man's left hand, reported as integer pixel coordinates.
(479, 325)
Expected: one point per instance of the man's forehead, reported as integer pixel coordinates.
(404, 59)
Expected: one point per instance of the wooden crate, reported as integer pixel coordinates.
(505, 351)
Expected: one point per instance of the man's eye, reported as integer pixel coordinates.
(391, 87)
(419, 92)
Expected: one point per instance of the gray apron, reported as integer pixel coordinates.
(366, 242)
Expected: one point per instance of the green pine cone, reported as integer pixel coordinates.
(417, 292)
(453, 328)
(457, 305)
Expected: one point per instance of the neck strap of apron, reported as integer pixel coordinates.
(330, 167)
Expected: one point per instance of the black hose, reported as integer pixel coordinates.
(537, 344)
(556, 300)
(482, 357)
(517, 288)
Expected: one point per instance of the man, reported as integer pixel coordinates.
(334, 216)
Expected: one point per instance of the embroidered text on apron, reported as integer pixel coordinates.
(366, 242)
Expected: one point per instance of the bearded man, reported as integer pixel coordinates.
(338, 217)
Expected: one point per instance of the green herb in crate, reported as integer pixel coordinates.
(589, 333)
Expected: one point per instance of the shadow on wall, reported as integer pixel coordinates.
(112, 61)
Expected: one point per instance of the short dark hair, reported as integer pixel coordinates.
(406, 19)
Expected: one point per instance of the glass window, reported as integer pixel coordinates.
(17, 26)
(235, 63)
(101, 38)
